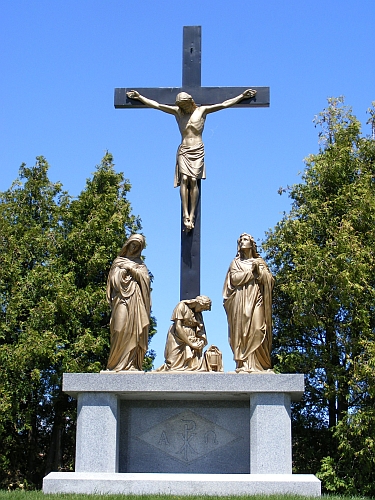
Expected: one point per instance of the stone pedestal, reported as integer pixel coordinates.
(183, 434)
(97, 432)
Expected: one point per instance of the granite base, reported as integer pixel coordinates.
(183, 434)
(181, 484)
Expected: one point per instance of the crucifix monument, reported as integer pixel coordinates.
(150, 433)
(181, 102)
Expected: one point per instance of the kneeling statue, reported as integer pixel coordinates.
(186, 337)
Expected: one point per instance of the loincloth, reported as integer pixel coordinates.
(190, 162)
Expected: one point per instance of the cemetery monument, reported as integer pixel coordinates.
(188, 428)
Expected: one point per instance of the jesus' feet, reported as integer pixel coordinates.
(187, 223)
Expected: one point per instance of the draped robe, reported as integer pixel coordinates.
(129, 299)
(178, 354)
(248, 304)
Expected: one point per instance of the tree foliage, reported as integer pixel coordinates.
(55, 256)
(322, 254)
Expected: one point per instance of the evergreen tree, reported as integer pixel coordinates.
(55, 256)
(322, 254)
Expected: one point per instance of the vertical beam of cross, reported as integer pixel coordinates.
(190, 266)
(191, 57)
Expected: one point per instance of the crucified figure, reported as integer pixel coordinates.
(190, 155)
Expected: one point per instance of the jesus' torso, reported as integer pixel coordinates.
(191, 126)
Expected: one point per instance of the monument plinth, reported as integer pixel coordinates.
(183, 433)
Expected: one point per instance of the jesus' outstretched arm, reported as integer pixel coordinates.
(229, 102)
(133, 94)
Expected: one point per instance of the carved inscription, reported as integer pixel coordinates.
(163, 439)
(187, 436)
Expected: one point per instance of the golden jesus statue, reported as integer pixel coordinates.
(190, 155)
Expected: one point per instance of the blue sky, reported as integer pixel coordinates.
(62, 59)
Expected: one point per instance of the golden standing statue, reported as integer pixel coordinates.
(128, 294)
(247, 296)
(190, 155)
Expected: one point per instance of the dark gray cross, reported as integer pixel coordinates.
(191, 83)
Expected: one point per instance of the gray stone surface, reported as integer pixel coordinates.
(184, 423)
(270, 434)
(97, 433)
(182, 484)
(187, 437)
(179, 433)
(187, 386)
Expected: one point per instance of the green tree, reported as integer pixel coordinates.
(55, 256)
(322, 254)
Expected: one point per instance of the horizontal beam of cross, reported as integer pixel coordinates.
(201, 96)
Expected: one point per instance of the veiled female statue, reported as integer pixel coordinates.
(187, 337)
(128, 294)
(247, 296)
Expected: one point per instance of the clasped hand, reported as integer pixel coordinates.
(249, 93)
(133, 94)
